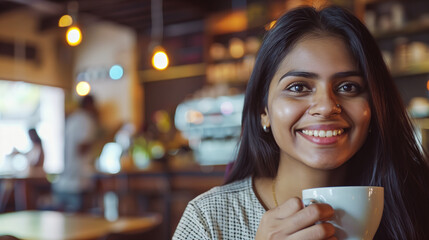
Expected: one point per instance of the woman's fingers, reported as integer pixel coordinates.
(308, 217)
(288, 208)
(316, 232)
(271, 225)
(291, 220)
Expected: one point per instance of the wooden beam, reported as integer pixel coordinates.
(173, 72)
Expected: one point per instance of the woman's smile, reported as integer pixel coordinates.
(323, 135)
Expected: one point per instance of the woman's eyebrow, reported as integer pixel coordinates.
(312, 75)
(299, 74)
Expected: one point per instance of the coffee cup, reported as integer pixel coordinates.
(358, 209)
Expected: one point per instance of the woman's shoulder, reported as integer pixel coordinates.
(231, 211)
(237, 192)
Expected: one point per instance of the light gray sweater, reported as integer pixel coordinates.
(226, 212)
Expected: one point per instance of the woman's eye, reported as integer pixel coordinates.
(349, 88)
(298, 87)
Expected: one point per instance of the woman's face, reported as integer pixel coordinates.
(302, 110)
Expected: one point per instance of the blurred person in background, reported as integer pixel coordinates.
(80, 135)
(321, 109)
(36, 155)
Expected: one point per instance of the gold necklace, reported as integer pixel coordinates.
(273, 189)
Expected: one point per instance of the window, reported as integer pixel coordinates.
(24, 106)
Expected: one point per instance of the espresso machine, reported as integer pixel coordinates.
(212, 126)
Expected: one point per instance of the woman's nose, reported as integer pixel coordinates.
(325, 104)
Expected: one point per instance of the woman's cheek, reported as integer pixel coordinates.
(286, 110)
(360, 112)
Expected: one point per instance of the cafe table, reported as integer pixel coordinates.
(23, 189)
(50, 225)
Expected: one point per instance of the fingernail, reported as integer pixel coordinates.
(308, 202)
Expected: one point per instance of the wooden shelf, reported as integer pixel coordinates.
(413, 70)
(409, 29)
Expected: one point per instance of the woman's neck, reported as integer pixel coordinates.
(293, 176)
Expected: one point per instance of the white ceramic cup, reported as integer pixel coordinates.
(358, 209)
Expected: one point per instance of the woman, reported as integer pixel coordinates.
(36, 155)
(321, 109)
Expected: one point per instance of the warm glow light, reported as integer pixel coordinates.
(160, 60)
(236, 48)
(235, 21)
(195, 117)
(270, 25)
(74, 36)
(427, 85)
(65, 21)
(83, 88)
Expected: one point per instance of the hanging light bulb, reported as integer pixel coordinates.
(74, 36)
(65, 21)
(160, 59)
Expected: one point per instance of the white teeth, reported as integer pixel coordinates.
(323, 133)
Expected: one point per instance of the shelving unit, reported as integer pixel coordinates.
(415, 27)
(401, 29)
(226, 66)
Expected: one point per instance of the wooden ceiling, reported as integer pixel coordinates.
(132, 13)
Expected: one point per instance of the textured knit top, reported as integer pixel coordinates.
(231, 211)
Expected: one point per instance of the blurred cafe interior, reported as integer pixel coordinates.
(168, 79)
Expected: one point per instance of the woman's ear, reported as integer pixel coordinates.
(265, 118)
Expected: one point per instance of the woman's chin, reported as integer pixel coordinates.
(323, 164)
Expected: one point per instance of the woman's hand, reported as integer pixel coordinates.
(291, 220)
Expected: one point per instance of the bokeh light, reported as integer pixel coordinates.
(195, 117)
(162, 121)
(116, 72)
(157, 150)
(65, 21)
(74, 36)
(160, 60)
(226, 108)
(83, 88)
(236, 48)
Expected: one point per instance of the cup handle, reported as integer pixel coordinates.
(308, 201)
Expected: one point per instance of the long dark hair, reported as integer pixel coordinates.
(391, 156)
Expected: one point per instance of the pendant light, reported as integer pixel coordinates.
(73, 34)
(160, 59)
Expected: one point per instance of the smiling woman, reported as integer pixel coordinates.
(320, 110)
(318, 75)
